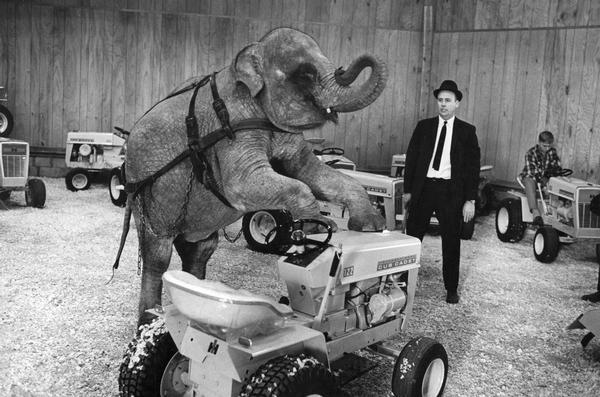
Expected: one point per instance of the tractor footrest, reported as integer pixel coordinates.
(350, 366)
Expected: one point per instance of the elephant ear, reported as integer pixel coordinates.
(248, 67)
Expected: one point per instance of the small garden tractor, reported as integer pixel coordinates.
(89, 152)
(346, 292)
(6, 119)
(567, 215)
(14, 174)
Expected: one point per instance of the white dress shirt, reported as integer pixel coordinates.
(445, 166)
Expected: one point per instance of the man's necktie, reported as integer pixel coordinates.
(440, 148)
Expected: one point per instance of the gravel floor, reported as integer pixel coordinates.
(63, 329)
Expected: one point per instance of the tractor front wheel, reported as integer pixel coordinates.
(546, 244)
(421, 369)
(467, 229)
(35, 193)
(509, 221)
(115, 184)
(77, 179)
(291, 375)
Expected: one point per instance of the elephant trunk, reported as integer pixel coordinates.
(348, 98)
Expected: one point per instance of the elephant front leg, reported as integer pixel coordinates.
(156, 256)
(270, 190)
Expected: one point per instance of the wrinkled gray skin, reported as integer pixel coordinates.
(284, 77)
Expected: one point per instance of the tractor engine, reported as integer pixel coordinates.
(375, 281)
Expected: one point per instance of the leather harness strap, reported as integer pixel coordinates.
(197, 145)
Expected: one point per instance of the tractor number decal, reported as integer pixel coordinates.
(395, 262)
(348, 271)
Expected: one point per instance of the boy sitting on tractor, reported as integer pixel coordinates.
(541, 162)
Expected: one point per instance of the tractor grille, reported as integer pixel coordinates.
(14, 160)
(588, 219)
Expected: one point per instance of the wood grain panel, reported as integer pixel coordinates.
(92, 64)
(118, 69)
(56, 133)
(582, 163)
(506, 108)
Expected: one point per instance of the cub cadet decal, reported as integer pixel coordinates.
(391, 263)
(565, 193)
(375, 189)
(348, 271)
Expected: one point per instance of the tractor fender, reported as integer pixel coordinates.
(589, 320)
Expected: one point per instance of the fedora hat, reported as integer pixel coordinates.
(448, 85)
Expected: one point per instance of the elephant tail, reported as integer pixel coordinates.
(124, 232)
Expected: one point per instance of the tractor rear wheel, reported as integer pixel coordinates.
(421, 369)
(6, 122)
(291, 375)
(35, 193)
(274, 224)
(509, 221)
(77, 179)
(546, 244)
(467, 229)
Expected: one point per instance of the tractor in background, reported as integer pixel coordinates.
(568, 214)
(95, 152)
(14, 174)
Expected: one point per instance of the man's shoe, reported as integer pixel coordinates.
(538, 221)
(452, 297)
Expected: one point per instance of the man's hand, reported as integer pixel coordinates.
(405, 200)
(468, 210)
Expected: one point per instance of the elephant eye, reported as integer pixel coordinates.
(304, 75)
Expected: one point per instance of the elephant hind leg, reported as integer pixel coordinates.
(194, 256)
(156, 256)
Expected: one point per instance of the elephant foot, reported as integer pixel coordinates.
(366, 223)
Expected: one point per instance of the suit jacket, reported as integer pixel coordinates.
(464, 159)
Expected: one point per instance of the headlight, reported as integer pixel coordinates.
(85, 150)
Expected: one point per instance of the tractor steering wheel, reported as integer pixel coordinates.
(298, 237)
(564, 172)
(332, 150)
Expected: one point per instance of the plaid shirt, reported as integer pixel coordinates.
(539, 165)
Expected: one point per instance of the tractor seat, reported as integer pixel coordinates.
(214, 305)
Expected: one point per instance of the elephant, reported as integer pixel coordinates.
(283, 79)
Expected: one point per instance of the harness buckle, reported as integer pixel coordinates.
(191, 124)
(223, 115)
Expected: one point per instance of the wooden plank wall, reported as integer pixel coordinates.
(92, 64)
(524, 66)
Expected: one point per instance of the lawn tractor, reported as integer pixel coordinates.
(567, 216)
(6, 119)
(346, 292)
(14, 174)
(89, 152)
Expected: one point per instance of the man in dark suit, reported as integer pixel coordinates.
(441, 174)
